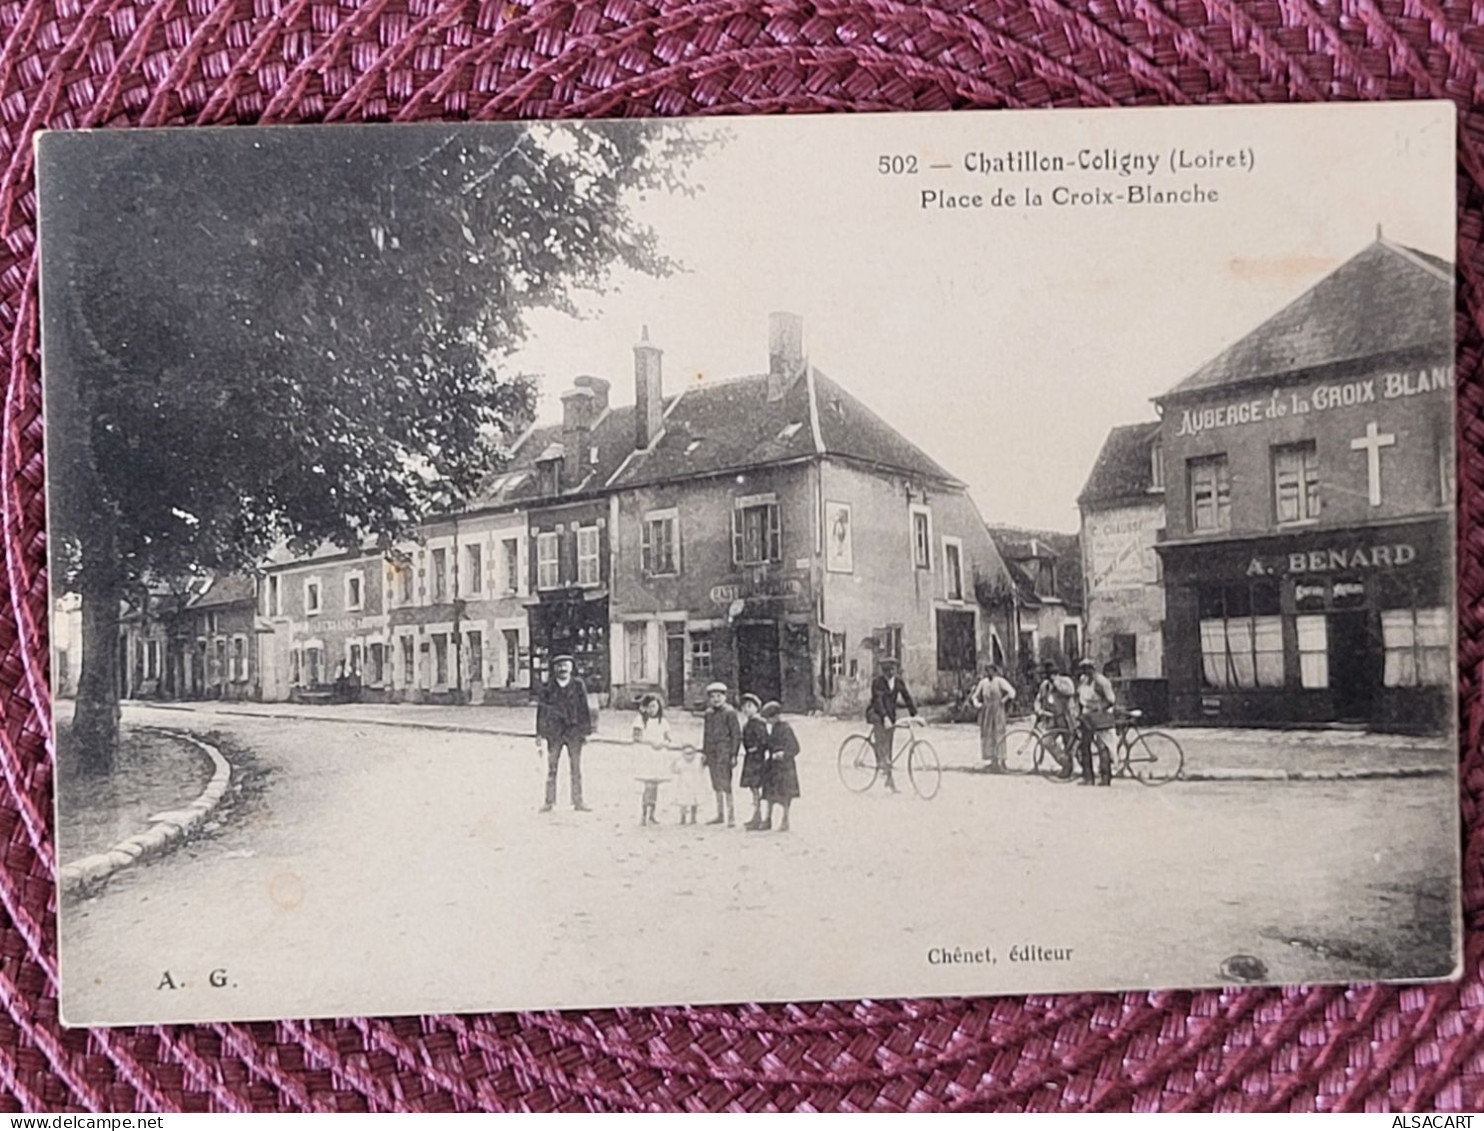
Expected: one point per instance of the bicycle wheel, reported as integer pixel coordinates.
(1155, 758)
(1056, 756)
(1021, 746)
(924, 769)
(857, 763)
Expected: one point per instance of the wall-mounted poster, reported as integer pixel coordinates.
(839, 538)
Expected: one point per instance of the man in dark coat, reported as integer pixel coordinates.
(887, 693)
(719, 745)
(563, 720)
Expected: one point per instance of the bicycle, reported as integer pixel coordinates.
(859, 768)
(1150, 757)
(1040, 749)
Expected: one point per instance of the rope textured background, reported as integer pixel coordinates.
(71, 63)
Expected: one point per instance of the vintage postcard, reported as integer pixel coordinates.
(555, 565)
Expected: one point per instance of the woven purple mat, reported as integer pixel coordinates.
(72, 63)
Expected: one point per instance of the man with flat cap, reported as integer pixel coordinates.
(720, 742)
(887, 692)
(563, 721)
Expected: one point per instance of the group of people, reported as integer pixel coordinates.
(767, 746)
(1085, 708)
(1082, 707)
(764, 744)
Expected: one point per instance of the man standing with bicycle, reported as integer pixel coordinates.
(1095, 704)
(887, 691)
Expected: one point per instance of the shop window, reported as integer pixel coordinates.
(314, 662)
(239, 658)
(409, 662)
(700, 655)
(1241, 636)
(659, 554)
(548, 560)
(958, 649)
(376, 664)
(1210, 493)
(294, 667)
(757, 532)
(440, 658)
(1313, 647)
(474, 567)
(1417, 647)
(1296, 482)
(922, 538)
(1071, 643)
(440, 575)
(588, 572)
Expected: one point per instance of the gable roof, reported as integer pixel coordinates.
(1123, 470)
(1388, 299)
(713, 427)
(227, 589)
(1019, 545)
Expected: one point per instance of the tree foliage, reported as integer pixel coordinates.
(255, 335)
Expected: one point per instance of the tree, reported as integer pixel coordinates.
(265, 335)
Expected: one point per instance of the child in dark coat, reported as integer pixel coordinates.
(780, 775)
(754, 756)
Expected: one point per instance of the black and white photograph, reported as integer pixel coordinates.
(542, 565)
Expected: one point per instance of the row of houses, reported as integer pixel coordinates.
(1277, 546)
(768, 530)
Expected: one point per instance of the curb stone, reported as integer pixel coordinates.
(91, 872)
(1219, 775)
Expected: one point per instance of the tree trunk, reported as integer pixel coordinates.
(95, 721)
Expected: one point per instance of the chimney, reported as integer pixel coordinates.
(599, 389)
(649, 392)
(785, 352)
(579, 413)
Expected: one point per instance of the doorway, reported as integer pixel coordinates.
(1352, 663)
(757, 660)
(675, 664)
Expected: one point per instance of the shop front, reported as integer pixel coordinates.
(1313, 626)
(571, 622)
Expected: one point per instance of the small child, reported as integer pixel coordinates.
(692, 782)
(651, 762)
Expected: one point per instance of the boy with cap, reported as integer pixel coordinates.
(563, 720)
(719, 745)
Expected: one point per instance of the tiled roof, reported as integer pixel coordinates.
(1123, 470)
(230, 589)
(1386, 300)
(848, 428)
(1018, 544)
(716, 426)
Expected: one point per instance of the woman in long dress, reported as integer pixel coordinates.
(991, 696)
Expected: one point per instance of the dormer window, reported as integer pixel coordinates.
(551, 476)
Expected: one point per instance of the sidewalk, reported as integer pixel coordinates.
(1211, 754)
